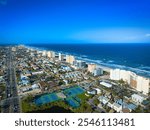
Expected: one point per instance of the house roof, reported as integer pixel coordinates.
(125, 110)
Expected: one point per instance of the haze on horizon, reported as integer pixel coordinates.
(74, 21)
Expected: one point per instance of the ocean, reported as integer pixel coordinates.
(133, 57)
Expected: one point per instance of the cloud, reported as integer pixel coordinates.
(121, 35)
(147, 35)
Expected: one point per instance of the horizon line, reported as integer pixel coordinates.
(68, 43)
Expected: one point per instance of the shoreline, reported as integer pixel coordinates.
(105, 66)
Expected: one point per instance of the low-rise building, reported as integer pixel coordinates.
(98, 91)
(138, 98)
(125, 110)
(65, 81)
(117, 107)
(35, 86)
(105, 84)
(92, 92)
(132, 106)
(37, 72)
(65, 68)
(103, 99)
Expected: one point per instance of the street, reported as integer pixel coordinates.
(11, 103)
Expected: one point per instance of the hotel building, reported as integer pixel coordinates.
(97, 72)
(44, 53)
(91, 67)
(70, 59)
(51, 54)
(141, 84)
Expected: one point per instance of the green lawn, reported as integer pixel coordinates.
(83, 97)
(29, 106)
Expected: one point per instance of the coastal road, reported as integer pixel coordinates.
(11, 103)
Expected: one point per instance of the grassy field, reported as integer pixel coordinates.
(28, 105)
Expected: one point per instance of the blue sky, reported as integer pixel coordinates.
(74, 21)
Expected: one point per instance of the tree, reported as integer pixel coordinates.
(121, 82)
(61, 83)
(149, 94)
(96, 102)
(137, 110)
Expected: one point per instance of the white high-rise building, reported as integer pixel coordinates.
(117, 74)
(44, 53)
(61, 57)
(137, 82)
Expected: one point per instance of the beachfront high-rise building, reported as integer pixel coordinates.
(61, 57)
(91, 67)
(141, 84)
(70, 59)
(51, 54)
(133, 80)
(97, 72)
(117, 74)
(44, 53)
(81, 64)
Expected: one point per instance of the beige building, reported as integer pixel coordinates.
(133, 80)
(91, 67)
(143, 84)
(70, 59)
(51, 54)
